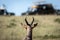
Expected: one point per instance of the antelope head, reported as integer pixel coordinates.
(31, 25)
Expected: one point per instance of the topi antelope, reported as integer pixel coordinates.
(29, 28)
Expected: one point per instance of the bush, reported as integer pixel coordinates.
(45, 36)
(13, 20)
(52, 36)
(57, 20)
(11, 25)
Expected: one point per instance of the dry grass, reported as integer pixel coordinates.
(10, 28)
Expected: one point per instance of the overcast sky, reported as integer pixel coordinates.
(19, 6)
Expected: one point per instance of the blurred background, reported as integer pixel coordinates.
(19, 6)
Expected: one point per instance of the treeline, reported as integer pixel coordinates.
(4, 12)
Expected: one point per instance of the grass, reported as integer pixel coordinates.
(47, 29)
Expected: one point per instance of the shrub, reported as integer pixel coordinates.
(45, 36)
(57, 20)
(11, 25)
(52, 36)
(13, 20)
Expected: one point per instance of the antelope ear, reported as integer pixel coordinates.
(35, 24)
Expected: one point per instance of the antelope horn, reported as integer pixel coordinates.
(26, 21)
(32, 21)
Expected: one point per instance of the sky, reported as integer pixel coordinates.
(20, 6)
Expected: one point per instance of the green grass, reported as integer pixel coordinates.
(47, 29)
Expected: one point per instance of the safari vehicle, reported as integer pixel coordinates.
(40, 9)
